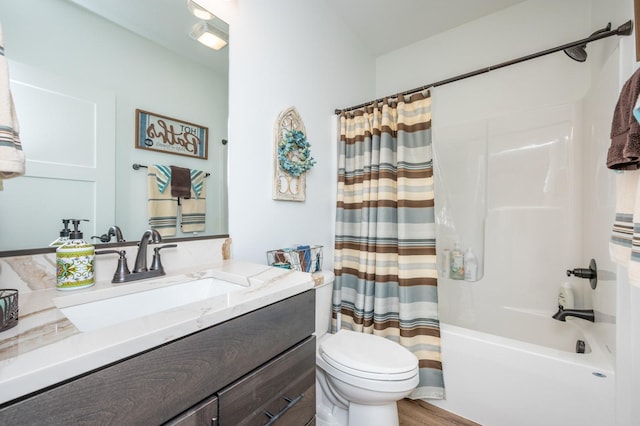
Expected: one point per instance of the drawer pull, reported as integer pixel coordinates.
(291, 403)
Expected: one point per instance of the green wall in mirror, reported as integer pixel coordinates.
(78, 79)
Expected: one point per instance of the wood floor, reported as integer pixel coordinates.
(420, 413)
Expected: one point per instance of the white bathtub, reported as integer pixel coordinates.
(504, 381)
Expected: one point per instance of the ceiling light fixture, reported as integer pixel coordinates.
(209, 35)
(199, 11)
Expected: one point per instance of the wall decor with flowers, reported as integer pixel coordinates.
(292, 157)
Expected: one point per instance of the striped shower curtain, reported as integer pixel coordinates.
(385, 249)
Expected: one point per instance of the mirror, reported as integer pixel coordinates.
(79, 70)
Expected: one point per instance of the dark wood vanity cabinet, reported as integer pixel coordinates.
(255, 369)
(281, 392)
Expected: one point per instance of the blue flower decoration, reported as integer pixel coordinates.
(294, 154)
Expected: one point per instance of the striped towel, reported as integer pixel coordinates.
(624, 246)
(162, 207)
(193, 210)
(11, 155)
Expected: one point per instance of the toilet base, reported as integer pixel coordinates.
(334, 413)
(328, 412)
(337, 418)
(358, 415)
(373, 415)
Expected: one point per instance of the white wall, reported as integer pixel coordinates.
(525, 28)
(285, 53)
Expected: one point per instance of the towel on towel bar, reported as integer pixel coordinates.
(193, 210)
(624, 156)
(11, 155)
(624, 245)
(622, 235)
(624, 152)
(162, 207)
(180, 182)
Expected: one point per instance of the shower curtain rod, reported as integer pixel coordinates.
(624, 29)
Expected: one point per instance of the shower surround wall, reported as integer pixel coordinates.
(507, 188)
(499, 330)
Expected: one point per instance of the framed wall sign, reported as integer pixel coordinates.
(165, 134)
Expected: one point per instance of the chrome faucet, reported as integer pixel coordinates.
(141, 258)
(562, 314)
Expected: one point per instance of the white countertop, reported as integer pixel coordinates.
(46, 348)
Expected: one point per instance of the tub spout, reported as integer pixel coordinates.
(562, 314)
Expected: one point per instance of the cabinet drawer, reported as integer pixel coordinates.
(281, 392)
(205, 413)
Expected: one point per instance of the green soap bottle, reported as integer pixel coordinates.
(74, 260)
(457, 263)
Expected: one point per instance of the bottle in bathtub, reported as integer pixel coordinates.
(457, 264)
(446, 263)
(565, 297)
(470, 266)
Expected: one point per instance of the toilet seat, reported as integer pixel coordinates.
(369, 357)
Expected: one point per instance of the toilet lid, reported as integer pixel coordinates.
(368, 356)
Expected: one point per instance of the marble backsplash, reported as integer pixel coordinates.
(38, 272)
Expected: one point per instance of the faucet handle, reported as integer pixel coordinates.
(123, 269)
(590, 273)
(156, 264)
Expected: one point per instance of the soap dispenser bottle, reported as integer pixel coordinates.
(64, 234)
(565, 296)
(470, 266)
(457, 263)
(74, 260)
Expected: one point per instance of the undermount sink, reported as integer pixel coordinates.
(101, 313)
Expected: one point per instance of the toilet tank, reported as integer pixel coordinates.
(324, 293)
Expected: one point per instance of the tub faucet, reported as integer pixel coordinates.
(562, 314)
(141, 258)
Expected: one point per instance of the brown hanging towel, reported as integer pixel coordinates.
(180, 182)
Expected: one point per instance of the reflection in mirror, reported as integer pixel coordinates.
(77, 78)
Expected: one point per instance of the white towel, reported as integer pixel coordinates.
(11, 155)
(634, 260)
(622, 234)
(162, 207)
(193, 210)
(624, 246)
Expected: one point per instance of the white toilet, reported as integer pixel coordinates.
(359, 377)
